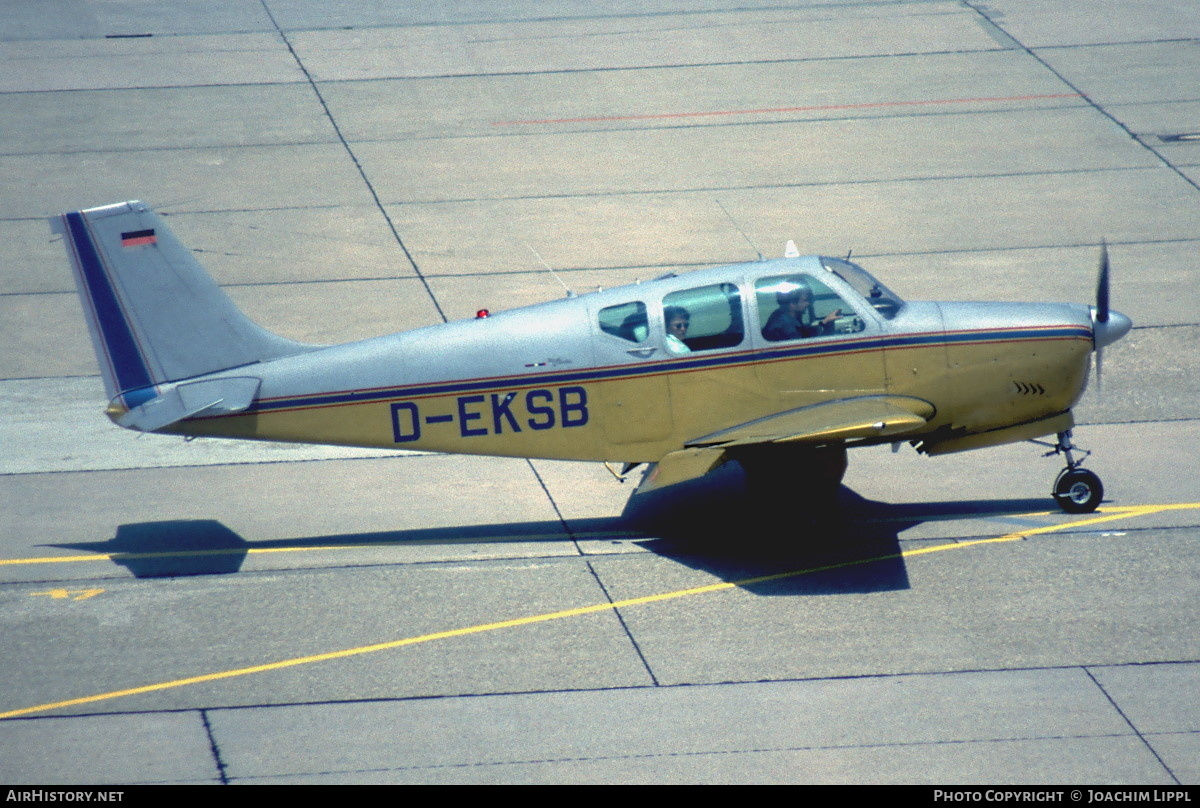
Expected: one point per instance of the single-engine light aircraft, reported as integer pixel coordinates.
(780, 365)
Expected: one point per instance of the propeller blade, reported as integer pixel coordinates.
(1101, 313)
(1107, 326)
(1102, 286)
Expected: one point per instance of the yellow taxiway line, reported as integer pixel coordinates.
(1108, 515)
(506, 538)
(1114, 512)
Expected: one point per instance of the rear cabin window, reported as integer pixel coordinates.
(627, 321)
(703, 319)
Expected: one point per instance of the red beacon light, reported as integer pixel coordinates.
(482, 314)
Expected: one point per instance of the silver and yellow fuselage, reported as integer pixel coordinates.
(548, 381)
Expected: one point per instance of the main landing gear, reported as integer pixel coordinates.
(1076, 490)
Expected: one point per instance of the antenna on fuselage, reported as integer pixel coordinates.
(542, 261)
(738, 228)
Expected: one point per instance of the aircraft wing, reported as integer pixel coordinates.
(863, 417)
(832, 421)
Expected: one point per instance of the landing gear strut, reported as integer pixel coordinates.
(1076, 490)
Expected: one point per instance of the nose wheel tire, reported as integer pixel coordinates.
(1078, 490)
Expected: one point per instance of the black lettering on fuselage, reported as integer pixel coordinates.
(543, 416)
(465, 417)
(406, 422)
(572, 403)
(503, 407)
(563, 408)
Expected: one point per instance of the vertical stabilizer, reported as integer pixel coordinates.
(154, 314)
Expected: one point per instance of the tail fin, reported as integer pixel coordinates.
(154, 314)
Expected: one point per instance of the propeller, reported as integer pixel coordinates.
(1102, 285)
(1107, 326)
(1101, 314)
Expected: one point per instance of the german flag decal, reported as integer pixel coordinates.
(138, 238)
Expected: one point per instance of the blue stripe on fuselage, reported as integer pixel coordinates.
(691, 363)
(124, 358)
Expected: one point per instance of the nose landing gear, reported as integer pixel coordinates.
(1076, 490)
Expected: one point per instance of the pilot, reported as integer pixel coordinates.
(794, 318)
(677, 319)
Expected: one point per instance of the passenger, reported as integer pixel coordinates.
(794, 318)
(677, 319)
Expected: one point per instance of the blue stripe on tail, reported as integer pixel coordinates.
(124, 357)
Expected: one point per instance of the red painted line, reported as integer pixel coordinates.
(778, 110)
(755, 357)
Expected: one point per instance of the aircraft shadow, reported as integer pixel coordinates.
(851, 545)
(847, 545)
(207, 547)
(174, 548)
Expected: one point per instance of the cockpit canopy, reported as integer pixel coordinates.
(787, 300)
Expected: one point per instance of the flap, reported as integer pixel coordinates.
(680, 466)
(862, 417)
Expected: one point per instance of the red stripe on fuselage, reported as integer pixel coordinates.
(521, 382)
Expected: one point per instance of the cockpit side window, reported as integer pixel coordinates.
(798, 306)
(703, 319)
(626, 320)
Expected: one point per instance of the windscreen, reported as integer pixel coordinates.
(882, 299)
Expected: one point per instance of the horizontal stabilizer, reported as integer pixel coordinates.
(864, 417)
(210, 397)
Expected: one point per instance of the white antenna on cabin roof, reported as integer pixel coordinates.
(542, 261)
(738, 227)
